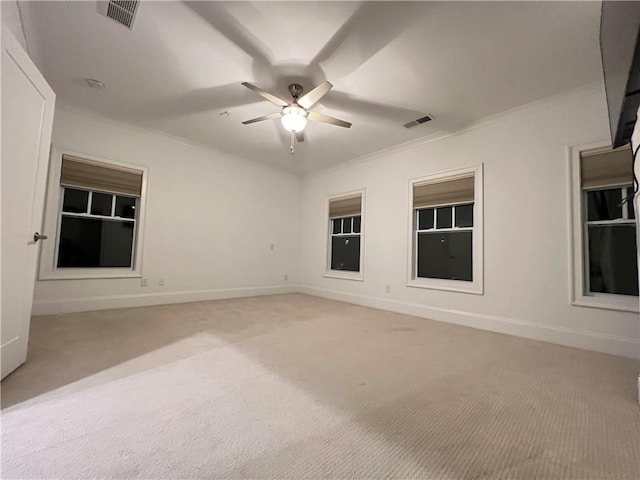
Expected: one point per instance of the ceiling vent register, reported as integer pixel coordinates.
(425, 119)
(122, 11)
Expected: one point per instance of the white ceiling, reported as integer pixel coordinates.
(390, 63)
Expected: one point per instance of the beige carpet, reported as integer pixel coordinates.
(293, 386)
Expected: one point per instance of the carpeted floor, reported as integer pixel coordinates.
(293, 386)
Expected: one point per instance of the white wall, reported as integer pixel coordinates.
(206, 246)
(210, 221)
(11, 20)
(526, 227)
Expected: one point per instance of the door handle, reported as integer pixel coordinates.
(37, 236)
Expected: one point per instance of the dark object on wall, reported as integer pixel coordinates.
(619, 46)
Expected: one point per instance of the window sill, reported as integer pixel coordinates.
(620, 303)
(447, 285)
(86, 275)
(357, 276)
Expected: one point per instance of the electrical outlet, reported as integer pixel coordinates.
(161, 282)
(286, 277)
(388, 288)
(144, 282)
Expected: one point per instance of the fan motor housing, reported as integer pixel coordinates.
(295, 89)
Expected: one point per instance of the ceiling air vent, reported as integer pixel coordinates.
(122, 11)
(425, 119)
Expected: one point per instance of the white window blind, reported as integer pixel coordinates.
(82, 173)
(450, 191)
(602, 169)
(345, 207)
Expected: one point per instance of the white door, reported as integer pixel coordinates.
(26, 120)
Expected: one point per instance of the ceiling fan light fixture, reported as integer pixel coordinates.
(294, 118)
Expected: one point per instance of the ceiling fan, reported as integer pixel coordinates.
(294, 115)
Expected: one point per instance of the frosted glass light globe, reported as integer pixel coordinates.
(294, 118)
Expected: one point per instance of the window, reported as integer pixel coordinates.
(345, 232)
(95, 209)
(610, 236)
(446, 231)
(444, 238)
(96, 229)
(345, 244)
(605, 257)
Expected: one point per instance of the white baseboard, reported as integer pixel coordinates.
(621, 346)
(70, 305)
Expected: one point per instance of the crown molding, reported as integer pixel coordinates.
(564, 97)
(66, 109)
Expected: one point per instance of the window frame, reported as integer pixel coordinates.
(476, 286)
(344, 274)
(578, 241)
(48, 267)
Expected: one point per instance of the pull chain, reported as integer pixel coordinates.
(293, 140)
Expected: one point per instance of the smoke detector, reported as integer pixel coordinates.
(121, 11)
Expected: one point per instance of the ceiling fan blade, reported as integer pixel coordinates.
(300, 137)
(310, 99)
(321, 117)
(378, 111)
(269, 96)
(262, 118)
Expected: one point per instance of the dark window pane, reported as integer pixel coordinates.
(337, 225)
(631, 210)
(91, 242)
(612, 259)
(346, 225)
(125, 207)
(425, 219)
(345, 253)
(445, 255)
(101, 204)
(464, 216)
(75, 201)
(604, 204)
(443, 217)
(356, 224)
